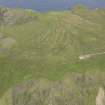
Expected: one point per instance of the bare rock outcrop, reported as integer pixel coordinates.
(100, 99)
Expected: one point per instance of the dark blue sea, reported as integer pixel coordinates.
(49, 5)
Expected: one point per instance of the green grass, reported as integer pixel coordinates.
(49, 46)
(75, 88)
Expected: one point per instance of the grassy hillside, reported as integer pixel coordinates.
(75, 88)
(48, 45)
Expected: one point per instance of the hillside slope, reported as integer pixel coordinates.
(48, 45)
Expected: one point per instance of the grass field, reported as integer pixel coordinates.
(48, 45)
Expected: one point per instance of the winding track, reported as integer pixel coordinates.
(82, 57)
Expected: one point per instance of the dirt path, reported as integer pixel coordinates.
(82, 57)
